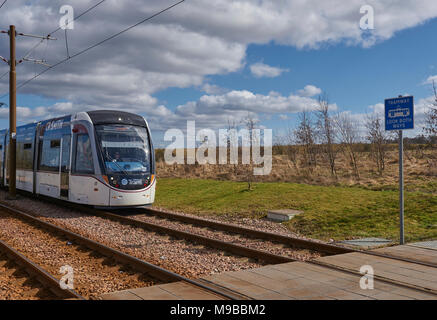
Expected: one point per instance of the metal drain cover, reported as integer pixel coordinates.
(368, 242)
(425, 244)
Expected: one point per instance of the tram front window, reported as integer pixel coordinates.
(125, 149)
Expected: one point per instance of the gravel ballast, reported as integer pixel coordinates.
(178, 256)
(93, 274)
(258, 244)
(16, 285)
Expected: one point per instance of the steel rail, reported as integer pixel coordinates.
(294, 242)
(213, 243)
(135, 222)
(138, 264)
(308, 244)
(225, 292)
(41, 275)
(338, 268)
(182, 235)
(313, 262)
(287, 240)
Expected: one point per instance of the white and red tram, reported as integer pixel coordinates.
(99, 158)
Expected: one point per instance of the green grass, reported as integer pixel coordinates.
(330, 212)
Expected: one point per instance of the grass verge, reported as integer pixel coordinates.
(330, 212)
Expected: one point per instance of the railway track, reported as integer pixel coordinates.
(292, 242)
(157, 273)
(236, 249)
(247, 232)
(282, 239)
(248, 251)
(40, 280)
(208, 241)
(326, 248)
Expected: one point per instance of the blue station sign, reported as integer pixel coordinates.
(399, 113)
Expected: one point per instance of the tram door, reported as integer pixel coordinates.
(65, 165)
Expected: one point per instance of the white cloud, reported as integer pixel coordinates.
(182, 48)
(377, 108)
(194, 40)
(260, 70)
(244, 100)
(310, 91)
(213, 89)
(309, 23)
(431, 79)
(421, 106)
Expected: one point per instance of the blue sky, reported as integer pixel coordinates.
(184, 67)
(354, 77)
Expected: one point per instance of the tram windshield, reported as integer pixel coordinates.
(125, 148)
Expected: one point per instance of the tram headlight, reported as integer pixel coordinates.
(110, 180)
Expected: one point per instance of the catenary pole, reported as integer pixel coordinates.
(12, 147)
(12, 115)
(401, 187)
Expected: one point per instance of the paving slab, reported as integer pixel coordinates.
(404, 272)
(413, 252)
(299, 280)
(170, 291)
(154, 293)
(282, 215)
(346, 295)
(121, 295)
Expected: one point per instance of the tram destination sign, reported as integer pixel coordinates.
(399, 113)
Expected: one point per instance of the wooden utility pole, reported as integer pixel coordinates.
(12, 62)
(12, 116)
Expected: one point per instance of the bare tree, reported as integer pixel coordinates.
(327, 131)
(377, 137)
(349, 137)
(431, 115)
(305, 136)
(232, 127)
(250, 123)
(292, 149)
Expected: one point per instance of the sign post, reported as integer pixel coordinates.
(399, 115)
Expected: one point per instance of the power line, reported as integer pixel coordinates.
(5, 95)
(39, 43)
(76, 18)
(83, 13)
(97, 44)
(33, 48)
(4, 74)
(3, 4)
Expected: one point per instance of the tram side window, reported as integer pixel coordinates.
(65, 159)
(50, 155)
(24, 156)
(84, 157)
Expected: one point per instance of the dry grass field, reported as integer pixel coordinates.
(420, 170)
(341, 206)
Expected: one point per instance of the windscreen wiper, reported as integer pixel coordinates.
(115, 162)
